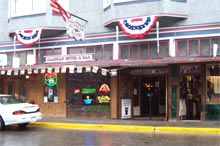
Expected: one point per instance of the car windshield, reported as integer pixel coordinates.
(9, 100)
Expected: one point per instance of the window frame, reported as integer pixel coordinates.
(211, 40)
(34, 10)
(47, 52)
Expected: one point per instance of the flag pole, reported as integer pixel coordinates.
(14, 45)
(158, 43)
(78, 17)
(116, 45)
(58, 9)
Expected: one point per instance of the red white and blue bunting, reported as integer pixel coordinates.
(28, 37)
(137, 27)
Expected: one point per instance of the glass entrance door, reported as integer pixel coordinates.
(153, 97)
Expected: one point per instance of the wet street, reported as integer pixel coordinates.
(36, 136)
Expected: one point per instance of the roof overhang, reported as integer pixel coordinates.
(164, 19)
(47, 31)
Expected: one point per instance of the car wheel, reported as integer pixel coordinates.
(23, 125)
(2, 124)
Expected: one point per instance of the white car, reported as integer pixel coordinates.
(14, 111)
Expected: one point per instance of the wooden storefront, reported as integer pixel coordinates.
(31, 89)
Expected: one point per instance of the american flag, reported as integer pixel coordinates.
(58, 9)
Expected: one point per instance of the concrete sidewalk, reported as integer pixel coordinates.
(212, 127)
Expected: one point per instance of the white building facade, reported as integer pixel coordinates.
(162, 55)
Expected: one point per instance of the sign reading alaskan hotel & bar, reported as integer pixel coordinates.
(69, 58)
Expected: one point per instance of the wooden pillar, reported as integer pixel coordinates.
(204, 91)
(114, 97)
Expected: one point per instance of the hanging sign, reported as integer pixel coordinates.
(50, 79)
(28, 37)
(3, 72)
(31, 59)
(137, 27)
(16, 62)
(104, 72)
(75, 30)
(69, 58)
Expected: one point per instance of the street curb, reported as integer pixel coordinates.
(153, 129)
(94, 126)
(187, 130)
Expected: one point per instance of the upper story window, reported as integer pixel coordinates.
(123, 1)
(47, 52)
(147, 50)
(197, 47)
(106, 4)
(126, 1)
(180, 0)
(104, 52)
(26, 7)
(23, 56)
(20, 54)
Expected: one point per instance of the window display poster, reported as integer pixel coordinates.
(126, 109)
(45, 99)
(56, 99)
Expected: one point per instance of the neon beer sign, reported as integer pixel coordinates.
(103, 99)
(88, 100)
(50, 79)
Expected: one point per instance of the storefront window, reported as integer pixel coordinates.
(50, 94)
(190, 98)
(190, 69)
(87, 89)
(22, 92)
(50, 88)
(174, 112)
(213, 83)
(10, 89)
(212, 106)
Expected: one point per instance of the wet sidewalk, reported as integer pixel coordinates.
(133, 125)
